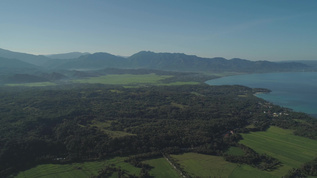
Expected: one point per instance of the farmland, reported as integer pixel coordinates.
(78, 170)
(200, 165)
(35, 84)
(131, 79)
(128, 80)
(193, 163)
(124, 79)
(291, 150)
(161, 168)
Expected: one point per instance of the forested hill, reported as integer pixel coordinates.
(15, 66)
(183, 62)
(158, 61)
(178, 62)
(29, 58)
(6, 63)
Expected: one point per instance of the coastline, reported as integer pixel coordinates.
(289, 90)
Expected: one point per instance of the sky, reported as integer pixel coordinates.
(273, 30)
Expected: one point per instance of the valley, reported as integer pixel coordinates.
(146, 122)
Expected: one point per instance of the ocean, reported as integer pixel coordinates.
(294, 90)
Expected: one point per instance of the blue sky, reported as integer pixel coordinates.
(251, 29)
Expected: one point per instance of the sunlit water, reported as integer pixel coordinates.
(297, 90)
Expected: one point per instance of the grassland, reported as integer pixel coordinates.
(204, 166)
(124, 79)
(193, 163)
(76, 170)
(161, 168)
(179, 83)
(130, 79)
(279, 143)
(199, 165)
(105, 127)
(235, 151)
(36, 84)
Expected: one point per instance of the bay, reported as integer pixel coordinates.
(295, 90)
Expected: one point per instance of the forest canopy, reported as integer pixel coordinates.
(91, 122)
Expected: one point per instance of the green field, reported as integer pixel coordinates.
(124, 79)
(281, 144)
(161, 168)
(179, 83)
(130, 79)
(76, 170)
(204, 165)
(193, 163)
(235, 151)
(199, 165)
(35, 84)
(291, 150)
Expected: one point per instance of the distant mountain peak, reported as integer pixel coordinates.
(70, 55)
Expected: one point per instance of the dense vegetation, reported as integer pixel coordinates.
(93, 122)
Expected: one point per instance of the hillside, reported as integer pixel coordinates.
(312, 63)
(14, 66)
(178, 62)
(29, 58)
(95, 61)
(12, 63)
(6, 63)
(183, 62)
(24, 78)
(151, 60)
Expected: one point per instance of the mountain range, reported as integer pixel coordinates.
(147, 59)
(23, 63)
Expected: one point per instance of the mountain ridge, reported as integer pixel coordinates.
(158, 61)
(25, 57)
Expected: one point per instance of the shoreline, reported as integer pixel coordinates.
(279, 79)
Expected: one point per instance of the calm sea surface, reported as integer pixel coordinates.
(297, 90)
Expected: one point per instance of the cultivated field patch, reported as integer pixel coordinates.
(77, 170)
(282, 144)
(124, 79)
(35, 84)
(161, 168)
(200, 165)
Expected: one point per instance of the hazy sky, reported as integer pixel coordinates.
(250, 29)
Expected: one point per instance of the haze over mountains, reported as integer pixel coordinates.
(70, 55)
(12, 63)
